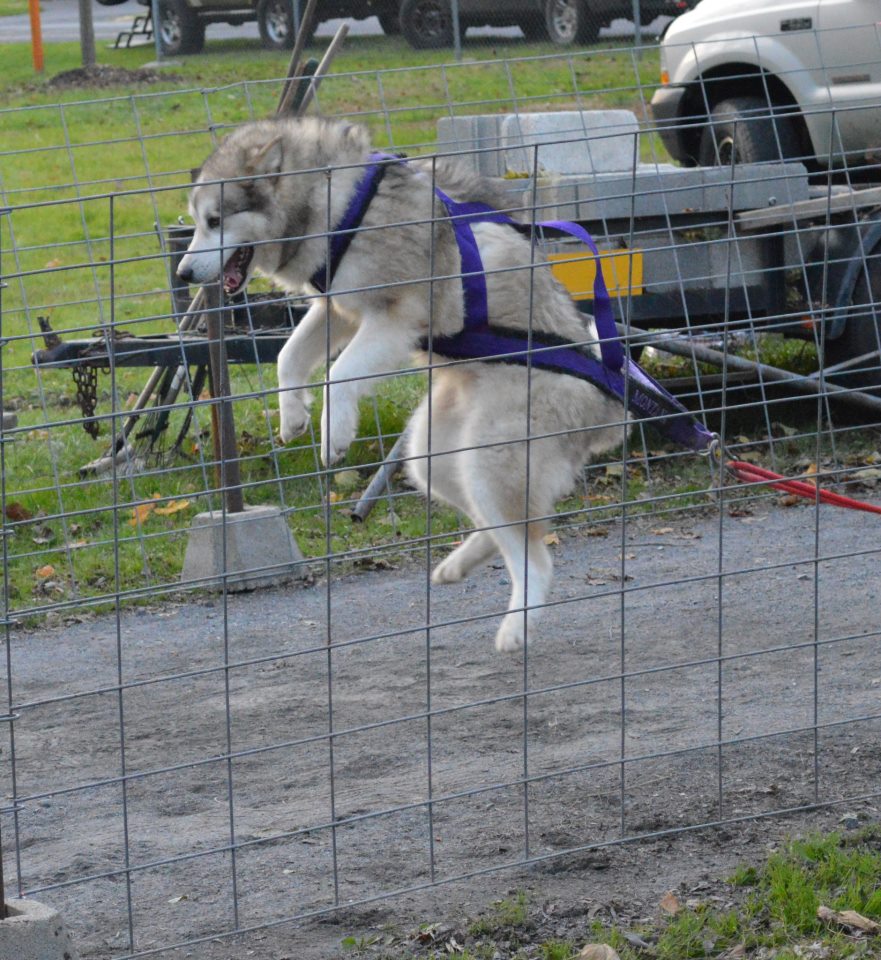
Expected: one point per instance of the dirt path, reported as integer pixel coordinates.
(567, 738)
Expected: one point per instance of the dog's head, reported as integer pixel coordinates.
(235, 210)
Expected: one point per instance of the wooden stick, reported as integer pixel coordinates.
(305, 30)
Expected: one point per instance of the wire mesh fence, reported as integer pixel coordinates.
(192, 764)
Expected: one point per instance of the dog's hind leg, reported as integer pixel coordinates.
(496, 491)
(436, 475)
(477, 547)
(530, 567)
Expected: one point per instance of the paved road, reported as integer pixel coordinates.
(60, 22)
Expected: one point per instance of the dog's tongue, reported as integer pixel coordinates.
(236, 269)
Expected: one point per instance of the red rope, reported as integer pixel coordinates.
(749, 473)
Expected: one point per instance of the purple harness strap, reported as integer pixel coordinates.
(615, 374)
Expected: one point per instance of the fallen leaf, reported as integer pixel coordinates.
(37, 435)
(669, 904)
(334, 496)
(173, 506)
(810, 475)
(661, 531)
(16, 512)
(43, 573)
(52, 264)
(143, 510)
(182, 897)
(551, 539)
(597, 531)
(848, 918)
(790, 500)
(615, 470)
(869, 475)
(598, 951)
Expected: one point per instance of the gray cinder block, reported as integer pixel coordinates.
(260, 550)
(34, 931)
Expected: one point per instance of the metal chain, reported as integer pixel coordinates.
(85, 377)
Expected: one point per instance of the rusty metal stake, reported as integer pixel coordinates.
(223, 433)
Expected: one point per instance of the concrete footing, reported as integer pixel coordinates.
(33, 931)
(260, 550)
(10, 420)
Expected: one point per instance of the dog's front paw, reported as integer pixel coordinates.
(293, 416)
(509, 638)
(337, 431)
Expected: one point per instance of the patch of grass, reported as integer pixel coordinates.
(774, 917)
(506, 916)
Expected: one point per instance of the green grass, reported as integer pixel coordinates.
(62, 144)
(72, 159)
(775, 913)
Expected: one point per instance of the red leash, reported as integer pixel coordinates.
(749, 473)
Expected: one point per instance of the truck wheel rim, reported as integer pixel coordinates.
(277, 23)
(430, 21)
(564, 19)
(171, 31)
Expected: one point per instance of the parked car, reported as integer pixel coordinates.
(754, 81)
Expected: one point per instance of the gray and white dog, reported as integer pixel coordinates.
(265, 201)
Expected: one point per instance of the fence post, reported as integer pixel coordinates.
(4, 614)
(223, 432)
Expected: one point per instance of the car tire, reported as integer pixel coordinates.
(742, 131)
(570, 21)
(110, 3)
(427, 24)
(180, 28)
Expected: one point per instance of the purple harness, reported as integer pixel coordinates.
(615, 374)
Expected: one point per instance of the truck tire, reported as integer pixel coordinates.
(390, 23)
(570, 21)
(533, 27)
(180, 28)
(741, 131)
(427, 24)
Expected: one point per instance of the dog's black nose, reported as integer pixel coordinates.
(185, 274)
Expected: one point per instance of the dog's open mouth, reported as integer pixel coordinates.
(235, 272)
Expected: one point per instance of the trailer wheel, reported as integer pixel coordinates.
(862, 333)
(741, 131)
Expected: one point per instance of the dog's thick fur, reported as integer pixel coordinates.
(466, 442)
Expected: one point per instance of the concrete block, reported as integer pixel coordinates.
(260, 550)
(476, 139)
(571, 141)
(10, 420)
(34, 931)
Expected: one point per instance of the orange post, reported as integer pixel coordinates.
(36, 35)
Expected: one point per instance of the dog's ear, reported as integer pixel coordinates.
(266, 160)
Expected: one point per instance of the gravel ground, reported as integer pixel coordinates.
(304, 840)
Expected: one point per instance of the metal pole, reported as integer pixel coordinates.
(457, 31)
(700, 353)
(87, 33)
(223, 434)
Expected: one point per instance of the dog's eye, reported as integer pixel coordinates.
(213, 223)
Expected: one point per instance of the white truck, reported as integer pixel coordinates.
(754, 81)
